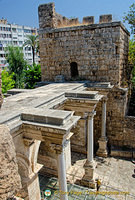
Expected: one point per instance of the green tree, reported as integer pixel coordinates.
(131, 57)
(7, 81)
(130, 17)
(32, 76)
(32, 41)
(16, 64)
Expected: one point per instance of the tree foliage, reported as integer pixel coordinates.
(32, 76)
(7, 81)
(16, 64)
(131, 57)
(32, 41)
(130, 17)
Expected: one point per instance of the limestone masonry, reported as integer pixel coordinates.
(10, 182)
(95, 52)
(0, 90)
(49, 123)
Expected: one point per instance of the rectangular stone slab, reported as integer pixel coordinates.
(100, 85)
(53, 117)
(82, 94)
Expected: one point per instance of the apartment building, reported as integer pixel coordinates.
(13, 34)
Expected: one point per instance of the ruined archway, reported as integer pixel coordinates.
(74, 69)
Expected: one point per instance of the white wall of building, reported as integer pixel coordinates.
(12, 34)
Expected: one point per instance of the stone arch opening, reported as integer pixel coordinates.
(74, 69)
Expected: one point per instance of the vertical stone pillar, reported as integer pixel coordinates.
(29, 168)
(89, 166)
(62, 174)
(90, 144)
(102, 151)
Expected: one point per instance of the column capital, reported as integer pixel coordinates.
(58, 148)
(91, 114)
(28, 141)
(104, 99)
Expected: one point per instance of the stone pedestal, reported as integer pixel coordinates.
(89, 178)
(102, 150)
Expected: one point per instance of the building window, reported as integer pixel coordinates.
(19, 30)
(27, 48)
(117, 50)
(20, 42)
(15, 42)
(14, 30)
(27, 31)
(74, 69)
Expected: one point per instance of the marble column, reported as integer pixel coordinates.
(90, 145)
(89, 166)
(62, 174)
(102, 151)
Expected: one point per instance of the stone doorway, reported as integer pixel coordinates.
(74, 69)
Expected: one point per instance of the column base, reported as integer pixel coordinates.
(89, 178)
(89, 184)
(102, 150)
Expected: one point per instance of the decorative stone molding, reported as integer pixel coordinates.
(59, 148)
(28, 141)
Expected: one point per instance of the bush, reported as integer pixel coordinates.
(17, 64)
(7, 81)
(32, 76)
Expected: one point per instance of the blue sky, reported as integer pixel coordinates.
(25, 12)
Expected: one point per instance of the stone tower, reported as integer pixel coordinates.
(95, 52)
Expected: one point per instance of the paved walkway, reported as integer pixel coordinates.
(114, 173)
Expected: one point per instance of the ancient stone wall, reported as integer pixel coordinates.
(79, 139)
(96, 52)
(0, 90)
(119, 126)
(10, 182)
(123, 56)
